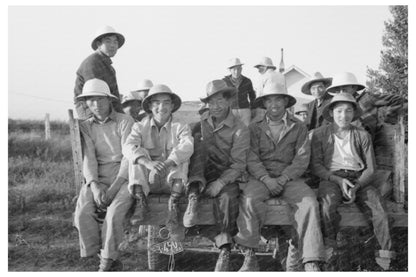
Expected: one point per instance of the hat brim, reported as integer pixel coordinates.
(240, 64)
(131, 100)
(268, 66)
(120, 39)
(329, 89)
(306, 86)
(95, 94)
(325, 113)
(258, 103)
(176, 100)
(230, 92)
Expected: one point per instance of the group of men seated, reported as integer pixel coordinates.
(239, 164)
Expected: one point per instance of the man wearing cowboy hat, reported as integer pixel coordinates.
(220, 163)
(141, 92)
(158, 151)
(369, 102)
(106, 42)
(132, 106)
(240, 104)
(316, 87)
(343, 158)
(106, 173)
(279, 155)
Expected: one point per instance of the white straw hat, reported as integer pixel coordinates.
(277, 87)
(95, 87)
(159, 89)
(234, 62)
(344, 79)
(145, 84)
(267, 62)
(105, 31)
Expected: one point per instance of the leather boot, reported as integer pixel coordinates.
(142, 208)
(172, 222)
(191, 214)
(110, 265)
(312, 266)
(223, 262)
(250, 260)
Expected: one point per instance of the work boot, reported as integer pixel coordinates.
(293, 260)
(172, 222)
(142, 209)
(191, 214)
(223, 262)
(312, 266)
(110, 265)
(250, 260)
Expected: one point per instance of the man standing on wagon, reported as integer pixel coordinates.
(106, 42)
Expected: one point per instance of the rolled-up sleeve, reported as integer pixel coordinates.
(239, 151)
(183, 151)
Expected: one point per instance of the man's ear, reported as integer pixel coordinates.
(331, 113)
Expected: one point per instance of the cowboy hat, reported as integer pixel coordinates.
(278, 87)
(95, 87)
(106, 31)
(161, 89)
(145, 84)
(341, 97)
(317, 77)
(344, 79)
(218, 86)
(265, 61)
(234, 62)
(130, 97)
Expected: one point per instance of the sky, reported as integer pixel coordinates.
(183, 47)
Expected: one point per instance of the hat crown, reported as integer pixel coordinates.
(301, 108)
(343, 79)
(159, 88)
(317, 75)
(215, 86)
(234, 62)
(96, 86)
(130, 96)
(343, 97)
(266, 61)
(145, 84)
(104, 30)
(278, 86)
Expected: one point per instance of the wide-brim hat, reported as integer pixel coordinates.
(129, 97)
(106, 31)
(145, 84)
(341, 97)
(218, 86)
(161, 89)
(344, 79)
(317, 77)
(300, 108)
(275, 88)
(267, 62)
(96, 87)
(234, 62)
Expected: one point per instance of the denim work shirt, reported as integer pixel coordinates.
(102, 145)
(288, 156)
(174, 141)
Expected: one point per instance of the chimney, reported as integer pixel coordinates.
(282, 63)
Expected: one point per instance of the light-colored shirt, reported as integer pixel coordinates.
(173, 141)
(343, 157)
(102, 145)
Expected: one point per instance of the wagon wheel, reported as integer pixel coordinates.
(155, 260)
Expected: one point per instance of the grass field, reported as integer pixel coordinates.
(40, 206)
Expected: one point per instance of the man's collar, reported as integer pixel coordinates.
(104, 56)
(229, 120)
(284, 118)
(111, 116)
(166, 125)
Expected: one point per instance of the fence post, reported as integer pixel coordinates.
(47, 127)
(76, 150)
(400, 161)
